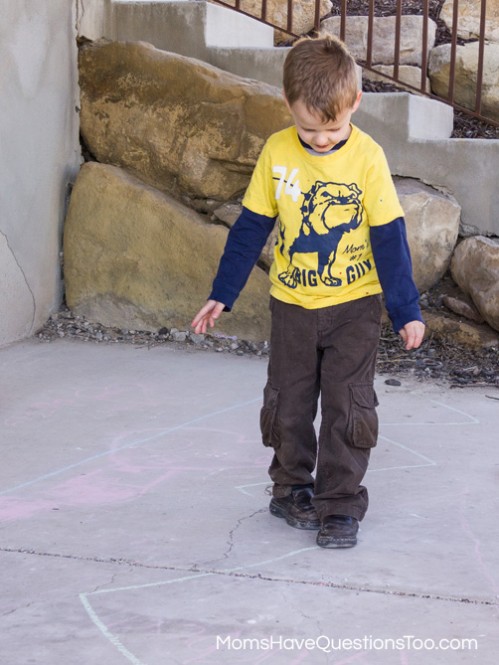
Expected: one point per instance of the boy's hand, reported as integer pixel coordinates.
(207, 316)
(412, 334)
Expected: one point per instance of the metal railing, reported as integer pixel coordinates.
(340, 8)
(263, 15)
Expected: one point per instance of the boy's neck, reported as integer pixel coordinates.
(311, 151)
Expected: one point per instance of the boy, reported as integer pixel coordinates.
(341, 242)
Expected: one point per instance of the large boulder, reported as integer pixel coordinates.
(135, 258)
(432, 221)
(475, 268)
(468, 25)
(466, 76)
(411, 33)
(183, 126)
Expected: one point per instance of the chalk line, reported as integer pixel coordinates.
(471, 420)
(115, 640)
(429, 462)
(133, 444)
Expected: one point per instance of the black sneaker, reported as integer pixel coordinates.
(338, 531)
(296, 509)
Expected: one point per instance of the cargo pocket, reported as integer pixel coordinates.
(268, 417)
(363, 421)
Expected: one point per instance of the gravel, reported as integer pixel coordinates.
(64, 324)
(439, 360)
(436, 360)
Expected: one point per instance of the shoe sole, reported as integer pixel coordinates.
(336, 543)
(305, 525)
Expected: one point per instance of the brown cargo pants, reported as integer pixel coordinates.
(329, 352)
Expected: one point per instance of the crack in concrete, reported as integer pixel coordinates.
(25, 280)
(230, 539)
(258, 576)
(16, 609)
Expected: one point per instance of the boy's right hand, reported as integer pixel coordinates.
(207, 316)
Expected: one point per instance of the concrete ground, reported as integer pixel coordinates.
(135, 526)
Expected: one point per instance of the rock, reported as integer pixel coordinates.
(463, 307)
(461, 333)
(475, 268)
(411, 34)
(408, 74)
(432, 220)
(277, 14)
(137, 259)
(393, 382)
(466, 76)
(185, 127)
(228, 213)
(468, 26)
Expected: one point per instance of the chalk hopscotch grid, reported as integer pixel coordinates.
(115, 640)
(132, 444)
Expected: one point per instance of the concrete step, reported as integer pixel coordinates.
(186, 27)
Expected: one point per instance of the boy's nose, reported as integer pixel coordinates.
(321, 141)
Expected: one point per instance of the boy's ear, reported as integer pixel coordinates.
(357, 101)
(286, 101)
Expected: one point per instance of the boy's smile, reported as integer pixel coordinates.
(319, 135)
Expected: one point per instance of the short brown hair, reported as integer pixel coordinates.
(322, 73)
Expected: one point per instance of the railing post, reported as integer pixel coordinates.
(343, 20)
(317, 16)
(481, 51)
(370, 31)
(398, 27)
(452, 66)
(289, 22)
(424, 45)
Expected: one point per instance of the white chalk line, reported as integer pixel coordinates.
(242, 488)
(175, 428)
(133, 444)
(471, 420)
(428, 462)
(115, 640)
(111, 637)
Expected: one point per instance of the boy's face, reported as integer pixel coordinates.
(320, 135)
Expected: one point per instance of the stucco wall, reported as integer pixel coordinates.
(39, 157)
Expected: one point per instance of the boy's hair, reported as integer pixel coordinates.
(322, 73)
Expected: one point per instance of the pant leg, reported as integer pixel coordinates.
(348, 338)
(291, 396)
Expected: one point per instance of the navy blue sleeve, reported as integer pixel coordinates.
(393, 263)
(244, 245)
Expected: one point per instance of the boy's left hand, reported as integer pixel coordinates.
(412, 334)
